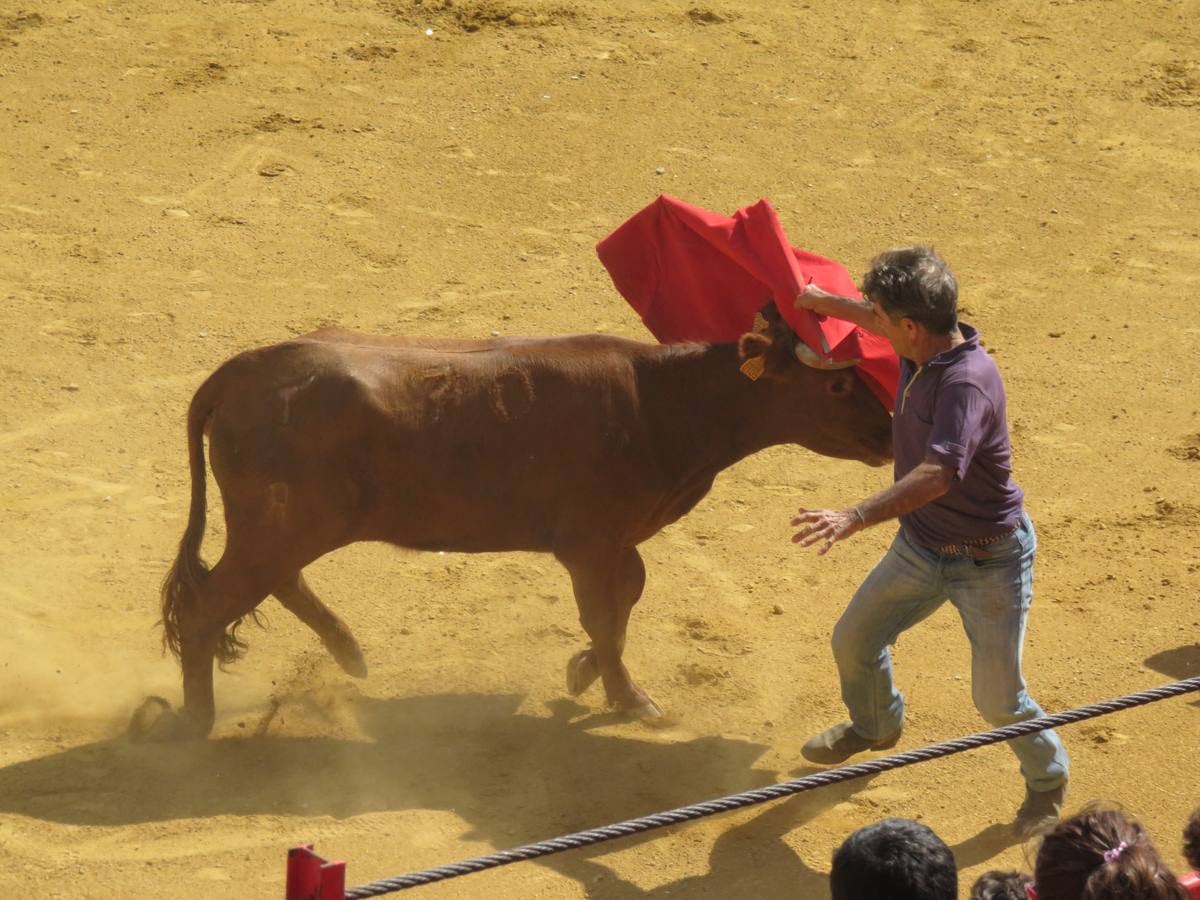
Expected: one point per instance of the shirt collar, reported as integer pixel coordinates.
(970, 342)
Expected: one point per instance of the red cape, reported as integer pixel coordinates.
(693, 275)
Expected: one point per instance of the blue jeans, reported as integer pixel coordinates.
(992, 597)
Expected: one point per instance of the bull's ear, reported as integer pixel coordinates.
(752, 350)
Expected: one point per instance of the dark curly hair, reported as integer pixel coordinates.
(1191, 840)
(996, 885)
(1072, 862)
(894, 859)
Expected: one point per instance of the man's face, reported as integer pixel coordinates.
(899, 334)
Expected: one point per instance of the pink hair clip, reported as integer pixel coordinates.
(1030, 891)
(1115, 853)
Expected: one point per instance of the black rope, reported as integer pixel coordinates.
(761, 795)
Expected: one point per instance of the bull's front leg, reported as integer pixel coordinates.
(607, 583)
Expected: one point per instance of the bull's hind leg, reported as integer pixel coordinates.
(607, 585)
(207, 631)
(298, 598)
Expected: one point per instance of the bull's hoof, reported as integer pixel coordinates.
(648, 711)
(148, 717)
(155, 721)
(350, 657)
(582, 672)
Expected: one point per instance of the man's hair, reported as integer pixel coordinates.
(996, 885)
(895, 859)
(914, 283)
(1100, 854)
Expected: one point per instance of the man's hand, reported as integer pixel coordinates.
(828, 525)
(924, 484)
(823, 303)
(811, 297)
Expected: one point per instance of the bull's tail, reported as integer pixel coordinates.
(179, 589)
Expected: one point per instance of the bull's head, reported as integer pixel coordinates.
(820, 404)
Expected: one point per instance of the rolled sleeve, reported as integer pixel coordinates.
(960, 417)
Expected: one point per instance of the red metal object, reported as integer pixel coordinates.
(311, 878)
(1191, 884)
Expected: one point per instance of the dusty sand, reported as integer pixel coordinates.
(178, 186)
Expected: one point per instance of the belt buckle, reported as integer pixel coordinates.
(970, 551)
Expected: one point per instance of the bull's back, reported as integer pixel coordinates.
(474, 446)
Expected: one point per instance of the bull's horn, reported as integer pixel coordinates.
(809, 357)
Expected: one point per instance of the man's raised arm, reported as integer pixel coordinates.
(860, 312)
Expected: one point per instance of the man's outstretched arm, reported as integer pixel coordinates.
(922, 485)
(860, 312)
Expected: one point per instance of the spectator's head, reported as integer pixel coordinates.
(1100, 854)
(914, 283)
(1191, 840)
(997, 885)
(896, 859)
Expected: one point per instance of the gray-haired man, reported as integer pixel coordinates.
(964, 535)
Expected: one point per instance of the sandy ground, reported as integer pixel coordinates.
(178, 186)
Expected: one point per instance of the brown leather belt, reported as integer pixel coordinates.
(976, 549)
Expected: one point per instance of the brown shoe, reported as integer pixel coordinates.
(840, 742)
(1040, 812)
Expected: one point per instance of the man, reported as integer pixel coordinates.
(963, 536)
(896, 859)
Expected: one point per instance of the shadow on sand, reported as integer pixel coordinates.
(515, 778)
(1179, 663)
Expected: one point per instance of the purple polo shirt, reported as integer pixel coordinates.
(952, 410)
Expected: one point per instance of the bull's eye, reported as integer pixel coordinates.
(839, 386)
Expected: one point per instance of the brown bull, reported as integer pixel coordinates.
(579, 446)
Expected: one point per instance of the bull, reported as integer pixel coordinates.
(581, 447)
